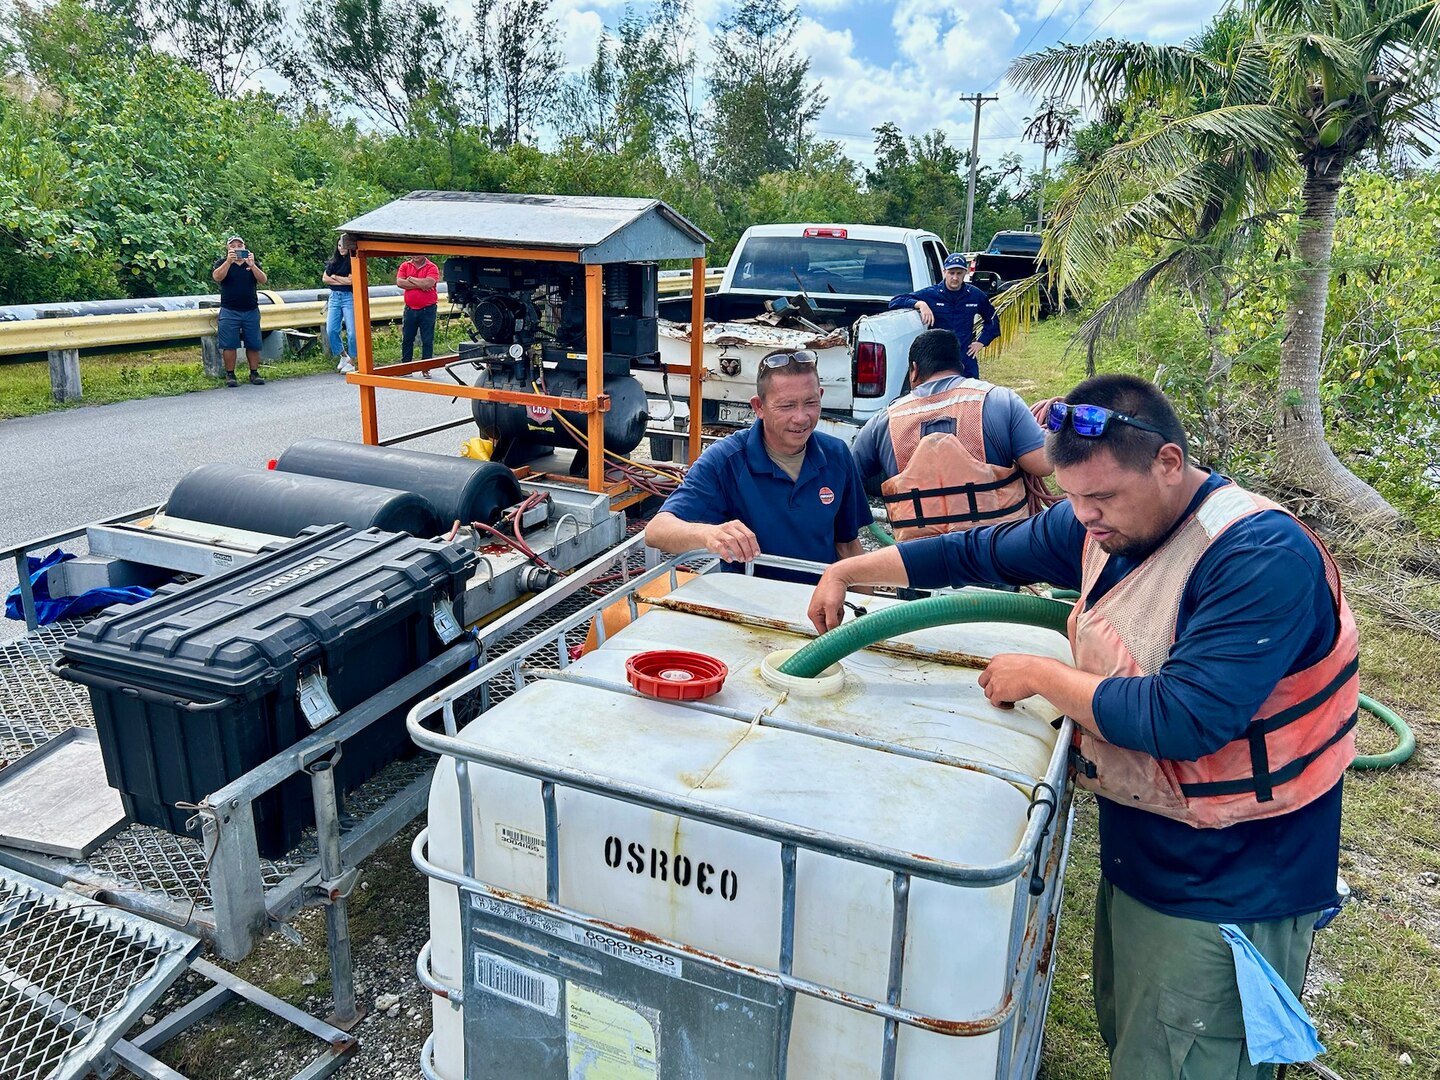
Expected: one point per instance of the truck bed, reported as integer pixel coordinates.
(736, 307)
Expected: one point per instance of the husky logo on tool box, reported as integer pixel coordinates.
(279, 581)
(671, 866)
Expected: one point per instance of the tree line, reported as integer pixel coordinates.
(134, 133)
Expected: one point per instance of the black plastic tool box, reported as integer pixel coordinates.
(202, 682)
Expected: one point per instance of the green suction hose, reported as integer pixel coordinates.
(881, 534)
(921, 614)
(1403, 748)
(1018, 608)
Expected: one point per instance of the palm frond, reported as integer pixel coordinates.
(1249, 76)
(1109, 69)
(1122, 308)
(1303, 59)
(1159, 184)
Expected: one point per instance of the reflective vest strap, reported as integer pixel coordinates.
(1281, 776)
(975, 514)
(1262, 781)
(959, 489)
(1296, 711)
(1260, 764)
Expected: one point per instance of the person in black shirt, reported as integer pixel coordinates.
(238, 274)
(342, 303)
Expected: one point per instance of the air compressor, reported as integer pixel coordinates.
(530, 319)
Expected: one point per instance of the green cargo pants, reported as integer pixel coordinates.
(1165, 991)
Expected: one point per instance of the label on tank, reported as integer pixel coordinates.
(522, 985)
(607, 1039)
(527, 843)
(632, 952)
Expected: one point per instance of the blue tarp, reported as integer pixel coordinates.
(48, 609)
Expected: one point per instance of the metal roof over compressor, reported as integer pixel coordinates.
(598, 229)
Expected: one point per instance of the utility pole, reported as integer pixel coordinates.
(1040, 209)
(978, 99)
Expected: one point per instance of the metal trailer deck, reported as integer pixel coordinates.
(1035, 872)
(214, 886)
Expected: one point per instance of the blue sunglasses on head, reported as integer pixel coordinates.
(1091, 421)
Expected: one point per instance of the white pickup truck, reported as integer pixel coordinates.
(805, 286)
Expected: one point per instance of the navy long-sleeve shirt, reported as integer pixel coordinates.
(956, 311)
(1255, 609)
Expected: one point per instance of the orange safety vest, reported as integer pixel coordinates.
(1299, 742)
(944, 483)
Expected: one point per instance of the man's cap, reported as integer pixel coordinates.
(233, 237)
(956, 261)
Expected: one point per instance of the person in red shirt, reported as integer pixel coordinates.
(418, 276)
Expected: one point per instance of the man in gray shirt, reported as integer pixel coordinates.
(950, 455)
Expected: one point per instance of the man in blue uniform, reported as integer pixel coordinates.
(954, 305)
(1216, 666)
(780, 487)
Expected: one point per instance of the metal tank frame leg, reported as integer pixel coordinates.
(333, 888)
(137, 1054)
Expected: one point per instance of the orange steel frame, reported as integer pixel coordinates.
(593, 407)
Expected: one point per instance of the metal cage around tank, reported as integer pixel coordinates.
(1034, 871)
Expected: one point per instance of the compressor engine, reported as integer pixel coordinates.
(530, 319)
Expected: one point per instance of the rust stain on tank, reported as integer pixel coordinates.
(949, 657)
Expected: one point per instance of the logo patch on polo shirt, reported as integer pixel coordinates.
(827, 496)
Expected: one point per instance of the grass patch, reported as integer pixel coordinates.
(1042, 364)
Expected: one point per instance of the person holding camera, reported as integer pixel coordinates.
(238, 275)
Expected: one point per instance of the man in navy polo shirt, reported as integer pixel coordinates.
(953, 305)
(780, 487)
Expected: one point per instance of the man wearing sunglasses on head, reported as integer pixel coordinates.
(1214, 692)
(780, 487)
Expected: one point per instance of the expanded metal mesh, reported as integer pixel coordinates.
(153, 860)
(502, 686)
(35, 706)
(62, 969)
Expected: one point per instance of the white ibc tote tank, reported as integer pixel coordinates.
(720, 891)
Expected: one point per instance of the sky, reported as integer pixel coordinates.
(909, 61)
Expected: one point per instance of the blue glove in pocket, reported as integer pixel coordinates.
(1277, 1028)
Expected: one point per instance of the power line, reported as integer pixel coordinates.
(1021, 51)
(871, 135)
(1102, 22)
(1078, 18)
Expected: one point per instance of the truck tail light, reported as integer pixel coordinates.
(869, 369)
(828, 231)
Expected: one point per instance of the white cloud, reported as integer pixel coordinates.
(943, 49)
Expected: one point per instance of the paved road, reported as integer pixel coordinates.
(64, 469)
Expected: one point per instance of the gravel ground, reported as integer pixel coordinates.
(389, 925)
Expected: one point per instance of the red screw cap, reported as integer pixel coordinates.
(675, 675)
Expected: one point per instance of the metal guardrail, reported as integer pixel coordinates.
(103, 331)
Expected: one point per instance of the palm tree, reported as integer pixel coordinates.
(1280, 94)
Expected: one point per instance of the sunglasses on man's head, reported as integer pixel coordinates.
(779, 360)
(1091, 421)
